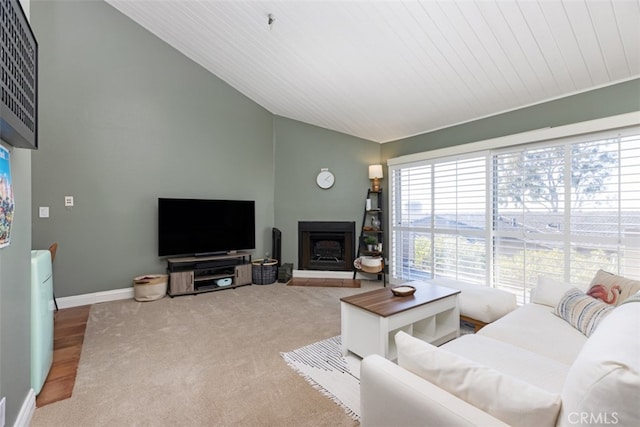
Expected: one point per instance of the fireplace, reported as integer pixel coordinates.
(326, 245)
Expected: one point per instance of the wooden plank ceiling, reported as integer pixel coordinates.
(385, 70)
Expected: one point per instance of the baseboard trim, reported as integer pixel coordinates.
(95, 298)
(323, 274)
(27, 410)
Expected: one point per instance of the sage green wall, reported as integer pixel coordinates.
(608, 101)
(301, 151)
(15, 288)
(15, 292)
(125, 119)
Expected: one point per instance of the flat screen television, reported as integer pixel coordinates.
(205, 227)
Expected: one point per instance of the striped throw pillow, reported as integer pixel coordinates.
(582, 311)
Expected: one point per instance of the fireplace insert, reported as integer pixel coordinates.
(326, 245)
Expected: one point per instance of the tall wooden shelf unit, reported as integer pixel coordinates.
(194, 275)
(373, 226)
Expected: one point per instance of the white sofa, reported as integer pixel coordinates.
(529, 368)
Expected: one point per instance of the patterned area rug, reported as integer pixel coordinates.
(334, 375)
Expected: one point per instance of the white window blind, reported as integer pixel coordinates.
(439, 219)
(528, 216)
(562, 208)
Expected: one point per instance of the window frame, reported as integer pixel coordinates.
(563, 135)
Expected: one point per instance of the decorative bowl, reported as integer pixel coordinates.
(403, 290)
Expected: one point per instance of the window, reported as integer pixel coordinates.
(562, 208)
(439, 219)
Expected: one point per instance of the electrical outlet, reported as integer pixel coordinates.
(68, 201)
(2, 414)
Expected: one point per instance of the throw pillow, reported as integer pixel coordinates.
(507, 398)
(549, 291)
(611, 288)
(604, 380)
(582, 311)
(632, 298)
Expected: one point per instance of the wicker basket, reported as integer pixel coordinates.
(264, 271)
(150, 287)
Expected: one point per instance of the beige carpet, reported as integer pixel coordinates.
(331, 283)
(206, 360)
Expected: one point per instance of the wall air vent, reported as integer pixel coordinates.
(19, 83)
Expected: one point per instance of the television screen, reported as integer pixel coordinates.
(202, 227)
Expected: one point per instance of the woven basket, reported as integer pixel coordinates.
(150, 287)
(264, 271)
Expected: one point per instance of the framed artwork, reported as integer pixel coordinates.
(6, 197)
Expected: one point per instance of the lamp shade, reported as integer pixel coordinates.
(375, 171)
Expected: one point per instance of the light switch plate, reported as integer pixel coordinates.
(68, 201)
(44, 211)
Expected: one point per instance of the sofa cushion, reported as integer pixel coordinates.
(582, 311)
(509, 399)
(604, 380)
(540, 371)
(479, 302)
(549, 291)
(611, 288)
(535, 328)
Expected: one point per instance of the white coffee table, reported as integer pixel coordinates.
(370, 320)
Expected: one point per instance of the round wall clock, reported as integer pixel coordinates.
(325, 179)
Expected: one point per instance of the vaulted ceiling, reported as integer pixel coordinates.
(385, 70)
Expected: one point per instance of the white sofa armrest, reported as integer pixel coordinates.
(393, 396)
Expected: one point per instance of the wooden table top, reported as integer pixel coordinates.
(383, 303)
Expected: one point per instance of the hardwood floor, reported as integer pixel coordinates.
(68, 336)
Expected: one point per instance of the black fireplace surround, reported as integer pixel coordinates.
(326, 245)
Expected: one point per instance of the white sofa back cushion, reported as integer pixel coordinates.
(603, 384)
(549, 291)
(509, 399)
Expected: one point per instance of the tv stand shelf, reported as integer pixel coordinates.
(194, 275)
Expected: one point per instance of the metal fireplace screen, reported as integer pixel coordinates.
(19, 65)
(327, 249)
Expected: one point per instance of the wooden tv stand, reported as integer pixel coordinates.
(194, 275)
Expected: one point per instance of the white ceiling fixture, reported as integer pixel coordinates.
(385, 70)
